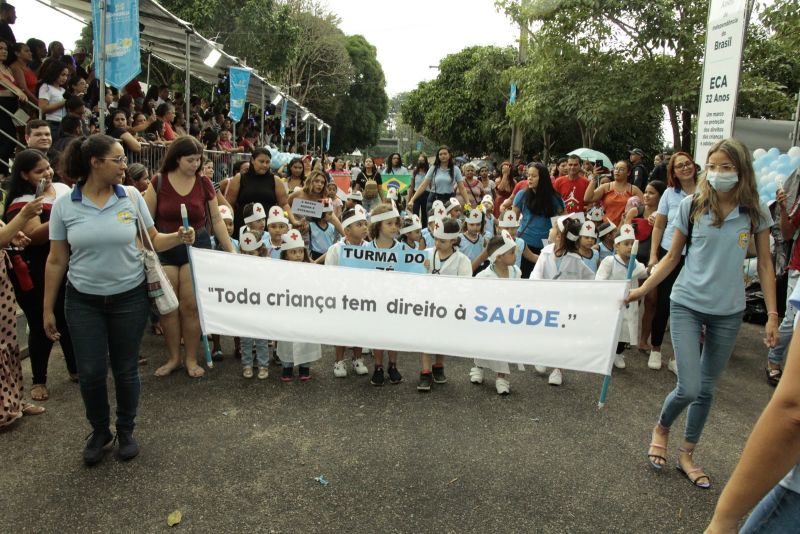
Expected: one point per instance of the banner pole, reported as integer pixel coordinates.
(188, 107)
(203, 337)
(101, 71)
(607, 379)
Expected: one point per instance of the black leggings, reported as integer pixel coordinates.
(527, 266)
(39, 345)
(663, 291)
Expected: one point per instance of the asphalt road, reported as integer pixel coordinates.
(237, 455)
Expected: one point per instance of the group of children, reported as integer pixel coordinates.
(457, 243)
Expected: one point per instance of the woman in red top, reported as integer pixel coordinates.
(473, 186)
(505, 187)
(614, 196)
(24, 77)
(179, 183)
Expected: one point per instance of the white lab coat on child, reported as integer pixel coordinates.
(570, 266)
(300, 353)
(613, 268)
(457, 264)
(489, 272)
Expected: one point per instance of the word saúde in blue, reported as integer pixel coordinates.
(517, 315)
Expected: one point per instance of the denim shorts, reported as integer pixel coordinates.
(179, 256)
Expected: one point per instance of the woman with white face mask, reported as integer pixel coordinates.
(715, 225)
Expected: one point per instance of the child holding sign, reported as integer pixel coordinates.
(503, 258)
(323, 234)
(355, 226)
(383, 227)
(616, 268)
(443, 258)
(252, 245)
(293, 353)
(561, 261)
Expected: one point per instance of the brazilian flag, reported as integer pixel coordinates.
(401, 182)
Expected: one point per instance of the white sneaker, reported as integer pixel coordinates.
(555, 378)
(359, 367)
(540, 369)
(655, 360)
(619, 361)
(673, 366)
(503, 386)
(339, 369)
(476, 375)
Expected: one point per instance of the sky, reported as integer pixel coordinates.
(410, 35)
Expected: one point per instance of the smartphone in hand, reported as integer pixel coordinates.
(40, 188)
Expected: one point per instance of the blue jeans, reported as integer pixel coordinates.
(108, 329)
(698, 372)
(262, 352)
(777, 354)
(778, 512)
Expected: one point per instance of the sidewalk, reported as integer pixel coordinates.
(236, 455)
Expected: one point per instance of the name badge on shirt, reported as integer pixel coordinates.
(125, 216)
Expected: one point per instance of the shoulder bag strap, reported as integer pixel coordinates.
(143, 235)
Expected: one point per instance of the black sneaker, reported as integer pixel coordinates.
(438, 375)
(287, 374)
(98, 442)
(304, 373)
(394, 375)
(128, 446)
(377, 377)
(424, 382)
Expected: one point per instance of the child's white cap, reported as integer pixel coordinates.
(438, 209)
(392, 193)
(596, 214)
(248, 241)
(416, 224)
(588, 230)
(438, 230)
(359, 214)
(276, 216)
(225, 212)
(561, 220)
(355, 195)
(626, 233)
(452, 204)
(257, 215)
(475, 217)
(606, 228)
(327, 205)
(292, 240)
(487, 199)
(508, 244)
(393, 214)
(509, 220)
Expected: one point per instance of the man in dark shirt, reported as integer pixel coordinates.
(8, 16)
(639, 175)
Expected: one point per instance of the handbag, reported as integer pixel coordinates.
(159, 288)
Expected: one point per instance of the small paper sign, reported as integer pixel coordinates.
(307, 208)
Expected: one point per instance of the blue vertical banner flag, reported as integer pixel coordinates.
(512, 97)
(328, 140)
(239, 81)
(283, 117)
(122, 40)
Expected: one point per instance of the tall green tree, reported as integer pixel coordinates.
(364, 104)
(464, 107)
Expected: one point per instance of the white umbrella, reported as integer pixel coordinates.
(592, 155)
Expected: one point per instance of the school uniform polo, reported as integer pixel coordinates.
(711, 280)
(104, 259)
(668, 206)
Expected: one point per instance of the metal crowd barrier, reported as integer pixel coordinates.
(152, 155)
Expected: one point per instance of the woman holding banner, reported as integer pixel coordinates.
(180, 183)
(442, 179)
(715, 225)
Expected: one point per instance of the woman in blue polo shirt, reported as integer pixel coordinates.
(538, 203)
(440, 181)
(94, 230)
(715, 225)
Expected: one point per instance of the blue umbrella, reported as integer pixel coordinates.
(592, 155)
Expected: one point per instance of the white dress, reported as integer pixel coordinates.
(613, 268)
(496, 366)
(570, 266)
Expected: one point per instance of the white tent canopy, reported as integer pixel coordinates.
(165, 36)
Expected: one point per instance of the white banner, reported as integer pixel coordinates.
(565, 324)
(725, 33)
